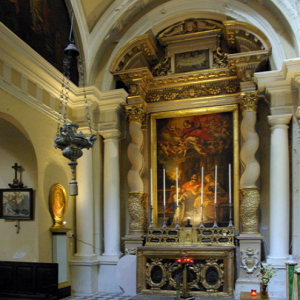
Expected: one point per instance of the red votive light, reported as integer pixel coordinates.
(253, 293)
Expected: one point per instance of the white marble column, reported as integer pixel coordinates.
(111, 189)
(279, 189)
(84, 264)
(84, 206)
(111, 212)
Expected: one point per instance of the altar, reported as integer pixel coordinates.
(210, 274)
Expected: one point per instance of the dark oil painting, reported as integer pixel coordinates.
(189, 143)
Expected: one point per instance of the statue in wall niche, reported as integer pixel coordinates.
(249, 259)
(58, 205)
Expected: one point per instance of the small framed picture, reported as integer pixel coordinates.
(16, 204)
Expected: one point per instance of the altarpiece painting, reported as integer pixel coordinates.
(200, 144)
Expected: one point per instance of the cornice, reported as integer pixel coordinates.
(275, 80)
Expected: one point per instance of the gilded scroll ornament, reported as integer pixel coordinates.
(137, 211)
(136, 114)
(249, 207)
(250, 259)
(220, 59)
(162, 68)
(248, 101)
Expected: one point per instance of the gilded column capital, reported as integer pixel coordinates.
(136, 113)
(248, 101)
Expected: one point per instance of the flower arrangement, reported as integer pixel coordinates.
(266, 273)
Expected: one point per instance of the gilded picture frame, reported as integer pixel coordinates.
(16, 204)
(189, 140)
(58, 204)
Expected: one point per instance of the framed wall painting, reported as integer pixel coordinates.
(202, 144)
(16, 204)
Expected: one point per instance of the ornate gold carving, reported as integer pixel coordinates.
(137, 211)
(133, 89)
(212, 263)
(192, 92)
(220, 59)
(249, 207)
(248, 101)
(191, 79)
(136, 114)
(190, 236)
(248, 74)
(162, 68)
(209, 276)
(157, 263)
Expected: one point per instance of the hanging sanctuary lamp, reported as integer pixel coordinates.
(67, 138)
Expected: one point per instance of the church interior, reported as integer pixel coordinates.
(150, 147)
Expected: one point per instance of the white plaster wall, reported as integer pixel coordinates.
(44, 166)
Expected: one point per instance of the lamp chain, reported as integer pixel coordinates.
(64, 94)
(81, 73)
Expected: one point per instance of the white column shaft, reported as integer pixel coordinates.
(84, 205)
(111, 197)
(279, 188)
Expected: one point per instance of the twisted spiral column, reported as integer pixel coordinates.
(250, 193)
(136, 203)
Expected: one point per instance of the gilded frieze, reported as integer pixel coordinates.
(192, 92)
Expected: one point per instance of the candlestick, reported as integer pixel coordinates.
(164, 185)
(151, 200)
(164, 195)
(216, 175)
(216, 191)
(202, 186)
(151, 194)
(201, 223)
(177, 185)
(177, 223)
(229, 183)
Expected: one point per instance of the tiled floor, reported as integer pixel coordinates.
(100, 295)
(106, 296)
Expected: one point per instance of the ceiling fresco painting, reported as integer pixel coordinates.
(42, 24)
